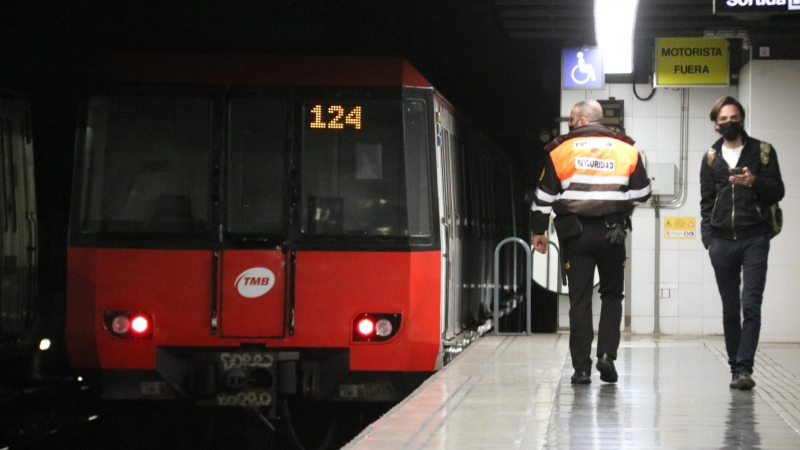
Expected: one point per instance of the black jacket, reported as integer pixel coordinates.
(733, 211)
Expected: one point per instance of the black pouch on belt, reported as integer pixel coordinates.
(567, 226)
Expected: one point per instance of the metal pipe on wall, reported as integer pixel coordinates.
(677, 202)
(683, 164)
(657, 272)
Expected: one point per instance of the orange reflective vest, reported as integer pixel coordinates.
(590, 176)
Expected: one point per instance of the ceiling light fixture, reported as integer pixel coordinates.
(614, 22)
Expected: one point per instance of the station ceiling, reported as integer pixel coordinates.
(573, 20)
(497, 60)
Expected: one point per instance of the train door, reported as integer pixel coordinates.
(451, 265)
(17, 218)
(253, 259)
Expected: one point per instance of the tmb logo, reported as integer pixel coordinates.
(255, 282)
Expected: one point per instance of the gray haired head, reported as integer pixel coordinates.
(590, 109)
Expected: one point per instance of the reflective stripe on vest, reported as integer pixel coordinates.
(596, 163)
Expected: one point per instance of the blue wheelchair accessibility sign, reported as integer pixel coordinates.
(582, 68)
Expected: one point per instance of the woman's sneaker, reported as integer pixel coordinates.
(742, 380)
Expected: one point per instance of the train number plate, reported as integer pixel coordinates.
(369, 391)
(352, 391)
(239, 360)
(247, 398)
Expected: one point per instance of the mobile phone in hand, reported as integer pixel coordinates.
(737, 171)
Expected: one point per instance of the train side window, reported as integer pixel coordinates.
(3, 187)
(466, 189)
(448, 178)
(147, 165)
(475, 184)
(486, 176)
(488, 181)
(28, 129)
(9, 178)
(475, 195)
(256, 165)
(502, 220)
(455, 155)
(417, 168)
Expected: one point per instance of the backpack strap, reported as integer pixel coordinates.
(765, 151)
(710, 156)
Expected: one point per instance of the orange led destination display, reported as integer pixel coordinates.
(335, 117)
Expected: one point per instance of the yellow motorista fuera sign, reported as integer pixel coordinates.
(680, 227)
(692, 62)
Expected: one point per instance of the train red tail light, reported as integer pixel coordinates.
(375, 327)
(128, 324)
(140, 324)
(366, 327)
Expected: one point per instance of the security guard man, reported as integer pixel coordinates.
(591, 180)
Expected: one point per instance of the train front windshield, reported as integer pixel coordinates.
(358, 176)
(147, 164)
(149, 167)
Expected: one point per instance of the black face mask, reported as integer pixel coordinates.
(730, 130)
(571, 128)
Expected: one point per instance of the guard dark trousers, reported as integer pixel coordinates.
(583, 253)
(733, 260)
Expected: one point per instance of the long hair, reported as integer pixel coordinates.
(724, 101)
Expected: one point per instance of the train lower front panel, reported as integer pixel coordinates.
(332, 288)
(327, 291)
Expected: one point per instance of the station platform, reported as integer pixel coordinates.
(514, 392)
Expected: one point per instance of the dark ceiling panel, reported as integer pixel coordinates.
(572, 21)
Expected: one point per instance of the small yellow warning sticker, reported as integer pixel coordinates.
(680, 227)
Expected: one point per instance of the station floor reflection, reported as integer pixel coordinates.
(514, 392)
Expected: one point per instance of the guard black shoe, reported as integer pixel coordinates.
(743, 381)
(581, 377)
(608, 372)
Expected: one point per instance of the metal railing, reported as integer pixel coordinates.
(528, 272)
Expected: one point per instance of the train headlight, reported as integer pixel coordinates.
(383, 328)
(120, 325)
(375, 327)
(128, 324)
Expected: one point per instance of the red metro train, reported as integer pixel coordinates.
(246, 228)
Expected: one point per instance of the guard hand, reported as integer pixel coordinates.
(540, 243)
(617, 234)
